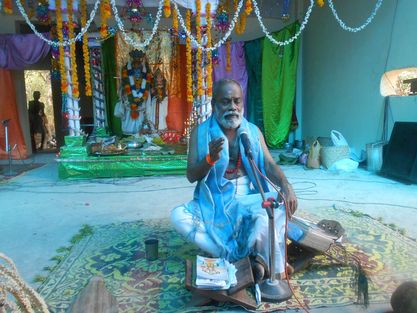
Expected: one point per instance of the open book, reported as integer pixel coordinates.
(214, 273)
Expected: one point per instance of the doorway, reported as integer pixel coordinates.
(40, 80)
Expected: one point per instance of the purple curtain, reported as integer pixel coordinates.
(17, 51)
(238, 62)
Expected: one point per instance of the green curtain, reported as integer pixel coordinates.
(110, 86)
(279, 69)
(253, 56)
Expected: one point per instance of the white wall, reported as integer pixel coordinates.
(342, 70)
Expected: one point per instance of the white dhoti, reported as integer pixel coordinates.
(187, 222)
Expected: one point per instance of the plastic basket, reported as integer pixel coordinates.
(331, 154)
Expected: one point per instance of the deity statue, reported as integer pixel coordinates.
(135, 98)
(159, 104)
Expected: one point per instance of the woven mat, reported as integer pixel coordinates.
(116, 252)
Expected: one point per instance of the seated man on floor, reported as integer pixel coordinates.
(225, 218)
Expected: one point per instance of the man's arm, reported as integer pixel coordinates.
(197, 169)
(277, 176)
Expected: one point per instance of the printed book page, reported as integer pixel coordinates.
(212, 269)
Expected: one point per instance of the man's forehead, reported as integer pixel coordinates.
(230, 91)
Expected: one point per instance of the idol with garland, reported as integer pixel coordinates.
(159, 104)
(135, 97)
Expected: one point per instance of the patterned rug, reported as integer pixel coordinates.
(116, 252)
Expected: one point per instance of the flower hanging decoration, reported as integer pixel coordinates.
(209, 67)
(74, 73)
(60, 32)
(134, 11)
(175, 22)
(167, 8)
(241, 23)
(320, 3)
(189, 60)
(86, 52)
(248, 7)
(54, 55)
(42, 12)
(228, 51)
(199, 52)
(105, 13)
(222, 19)
(8, 6)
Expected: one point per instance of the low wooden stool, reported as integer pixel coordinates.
(236, 294)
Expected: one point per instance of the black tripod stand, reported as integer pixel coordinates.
(10, 172)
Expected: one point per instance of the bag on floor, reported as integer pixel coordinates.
(313, 160)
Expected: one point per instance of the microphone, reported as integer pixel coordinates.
(244, 138)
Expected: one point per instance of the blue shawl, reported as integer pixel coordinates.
(221, 212)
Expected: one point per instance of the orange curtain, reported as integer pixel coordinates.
(178, 109)
(8, 110)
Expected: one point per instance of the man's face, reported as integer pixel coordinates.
(228, 107)
(36, 95)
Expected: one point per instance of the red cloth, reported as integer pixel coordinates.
(178, 109)
(8, 110)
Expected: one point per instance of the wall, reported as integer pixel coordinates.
(342, 70)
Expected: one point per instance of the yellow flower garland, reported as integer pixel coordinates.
(105, 13)
(199, 52)
(248, 7)
(228, 50)
(240, 23)
(320, 3)
(167, 8)
(62, 71)
(86, 52)
(209, 67)
(175, 21)
(189, 60)
(8, 7)
(74, 74)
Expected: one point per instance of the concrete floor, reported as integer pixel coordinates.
(40, 213)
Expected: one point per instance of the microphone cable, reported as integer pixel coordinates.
(287, 216)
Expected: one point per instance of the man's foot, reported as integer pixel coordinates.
(259, 268)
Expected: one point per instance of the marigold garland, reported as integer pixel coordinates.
(228, 50)
(86, 52)
(105, 13)
(209, 67)
(248, 7)
(175, 22)
(199, 52)
(240, 23)
(167, 8)
(74, 73)
(8, 7)
(59, 28)
(320, 3)
(189, 60)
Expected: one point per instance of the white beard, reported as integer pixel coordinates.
(231, 123)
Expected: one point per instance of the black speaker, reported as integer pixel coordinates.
(400, 156)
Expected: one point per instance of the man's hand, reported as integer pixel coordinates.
(290, 198)
(215, 147)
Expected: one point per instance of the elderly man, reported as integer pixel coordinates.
(225, 218)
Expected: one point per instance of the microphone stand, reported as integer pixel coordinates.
(8, 149)
(272, 289)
